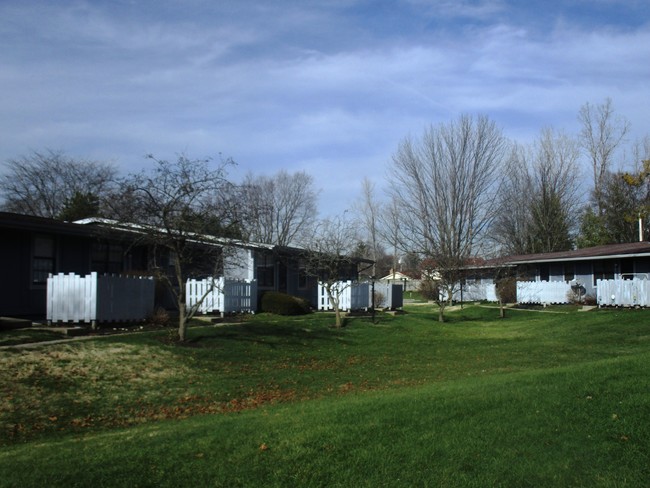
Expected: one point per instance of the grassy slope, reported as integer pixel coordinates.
(536, 400)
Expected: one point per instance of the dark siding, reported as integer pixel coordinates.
(15, 290)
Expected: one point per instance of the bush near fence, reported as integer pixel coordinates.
(279, 303)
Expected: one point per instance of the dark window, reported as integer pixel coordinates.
(603, 270)
(569, 272)
(107, 258)
(544, 273)
(627, 268)
(43, 259)
(526, 272)
(302, 278)
(265, 271)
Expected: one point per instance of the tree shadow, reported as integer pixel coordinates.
(273, 335)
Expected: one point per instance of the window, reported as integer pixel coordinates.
(544, 272)
(526, 272)
(107, 258)
(265, 271)
(302, 277)
(569, 272)
(42, 259)
(627, 268)
(604, 270)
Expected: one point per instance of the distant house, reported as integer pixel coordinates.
(578, 269)
(585, 266)
(33, 247)
(406, 281)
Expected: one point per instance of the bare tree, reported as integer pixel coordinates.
(625, 198)
(390, 230)
(183, 215)
(512, 227)
(554, 203)
(446, 185)
(281, 208)
(602, 133)
(45, 183)
(369, 210)
(539, 204)
(330, 257)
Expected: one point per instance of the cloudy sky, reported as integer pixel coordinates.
(328, 87)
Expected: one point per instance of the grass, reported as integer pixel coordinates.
(536, 399)
(25, 336)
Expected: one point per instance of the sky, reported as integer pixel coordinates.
(325, 87)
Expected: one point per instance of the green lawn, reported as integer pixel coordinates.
(25, 336)
(536, 399)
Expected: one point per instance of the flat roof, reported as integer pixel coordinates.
(609, 251)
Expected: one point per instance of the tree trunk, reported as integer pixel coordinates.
(182, 323)
(335, 303)
(339, 319)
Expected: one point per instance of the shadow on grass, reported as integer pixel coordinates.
(272, 333)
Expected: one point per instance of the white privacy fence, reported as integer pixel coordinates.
(225, 296)
(475, 292)
(99, 298)
(543, 291)
(392, 295)
(623, 293)
(619, 293)
(353, 295)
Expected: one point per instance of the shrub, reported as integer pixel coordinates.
(380, 300)
(507, 289)
(578, 295)
(159, 318)
(283, 304)
(429, 290)
(590, 300)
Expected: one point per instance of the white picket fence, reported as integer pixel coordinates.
(543, 291)
(98, 298)
(623, 293)
(475, 292)
(358, 296)
(224, 296)
(351, 294)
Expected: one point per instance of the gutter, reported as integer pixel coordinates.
(588, 258)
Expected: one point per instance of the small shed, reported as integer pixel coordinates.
(408, 283)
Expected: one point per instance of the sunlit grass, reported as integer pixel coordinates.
(535, 399)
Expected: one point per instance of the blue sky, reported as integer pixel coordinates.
(325, 87)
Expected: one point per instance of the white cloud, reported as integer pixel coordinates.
(320, 91)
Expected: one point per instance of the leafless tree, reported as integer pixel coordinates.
(390, 230)
(368, 211)
(539, 198)
(185, 220)
(281, 208)
(330, 257)
(602, 133)
(44, 183)
(446, 184)
(512, 227)
(555, 205)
